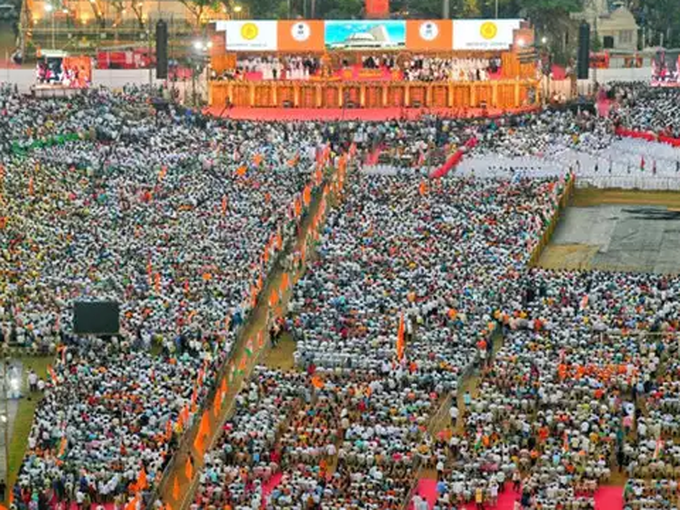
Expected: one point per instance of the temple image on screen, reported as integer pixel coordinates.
(365, 35)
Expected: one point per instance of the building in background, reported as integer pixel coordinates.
(614, 25)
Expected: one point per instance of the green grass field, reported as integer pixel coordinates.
(24, 417)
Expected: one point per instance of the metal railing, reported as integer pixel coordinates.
(631, 182)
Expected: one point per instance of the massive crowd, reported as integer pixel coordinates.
(178, 217)
(583, 384)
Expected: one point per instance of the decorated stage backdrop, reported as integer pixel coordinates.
(368, 35)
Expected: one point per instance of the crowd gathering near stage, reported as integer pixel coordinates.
(416, 68)
(418, 285)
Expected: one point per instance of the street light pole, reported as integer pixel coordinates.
(496, 9)
(50, 8)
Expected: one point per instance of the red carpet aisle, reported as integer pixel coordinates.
(364, 114)
(428, 490)
(607, 498)
(268, 487)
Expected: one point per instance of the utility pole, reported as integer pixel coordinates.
(496, 9)
(148, 36)
(446, 6)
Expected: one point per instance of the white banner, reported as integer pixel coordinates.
(251, 35)
(484, 34)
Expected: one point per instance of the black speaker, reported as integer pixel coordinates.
(583, 51)
(96, 318)
(161, 50)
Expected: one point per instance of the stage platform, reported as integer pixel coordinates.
(363, 114)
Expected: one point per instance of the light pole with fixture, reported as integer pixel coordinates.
(199, 58)
(49, 8)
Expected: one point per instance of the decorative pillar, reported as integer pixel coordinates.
(252, 94)
(296, 94)
(318, 95)
(362, 95)
(407, 95)
(428, 95)
(275, 94)
(494, 94)
(473, 94)
(230, 93)
(341, 96)
(517, 94)
(384, 95)
(451, 95)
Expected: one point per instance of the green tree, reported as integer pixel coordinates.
(339, 9)
(548, 14)
(197, 8)
(659, 17)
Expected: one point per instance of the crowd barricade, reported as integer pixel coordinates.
(631, 182)
(377, 94)
(198, 440)
(552, 223)
(649, 136)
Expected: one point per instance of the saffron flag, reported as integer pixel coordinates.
(307, 195)
(189, 469)
(53, 376)
(400, 337)
(199, 444)
(217, 403)
(62, 447)
(142, 482)
(317, 382)
(175, 489)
